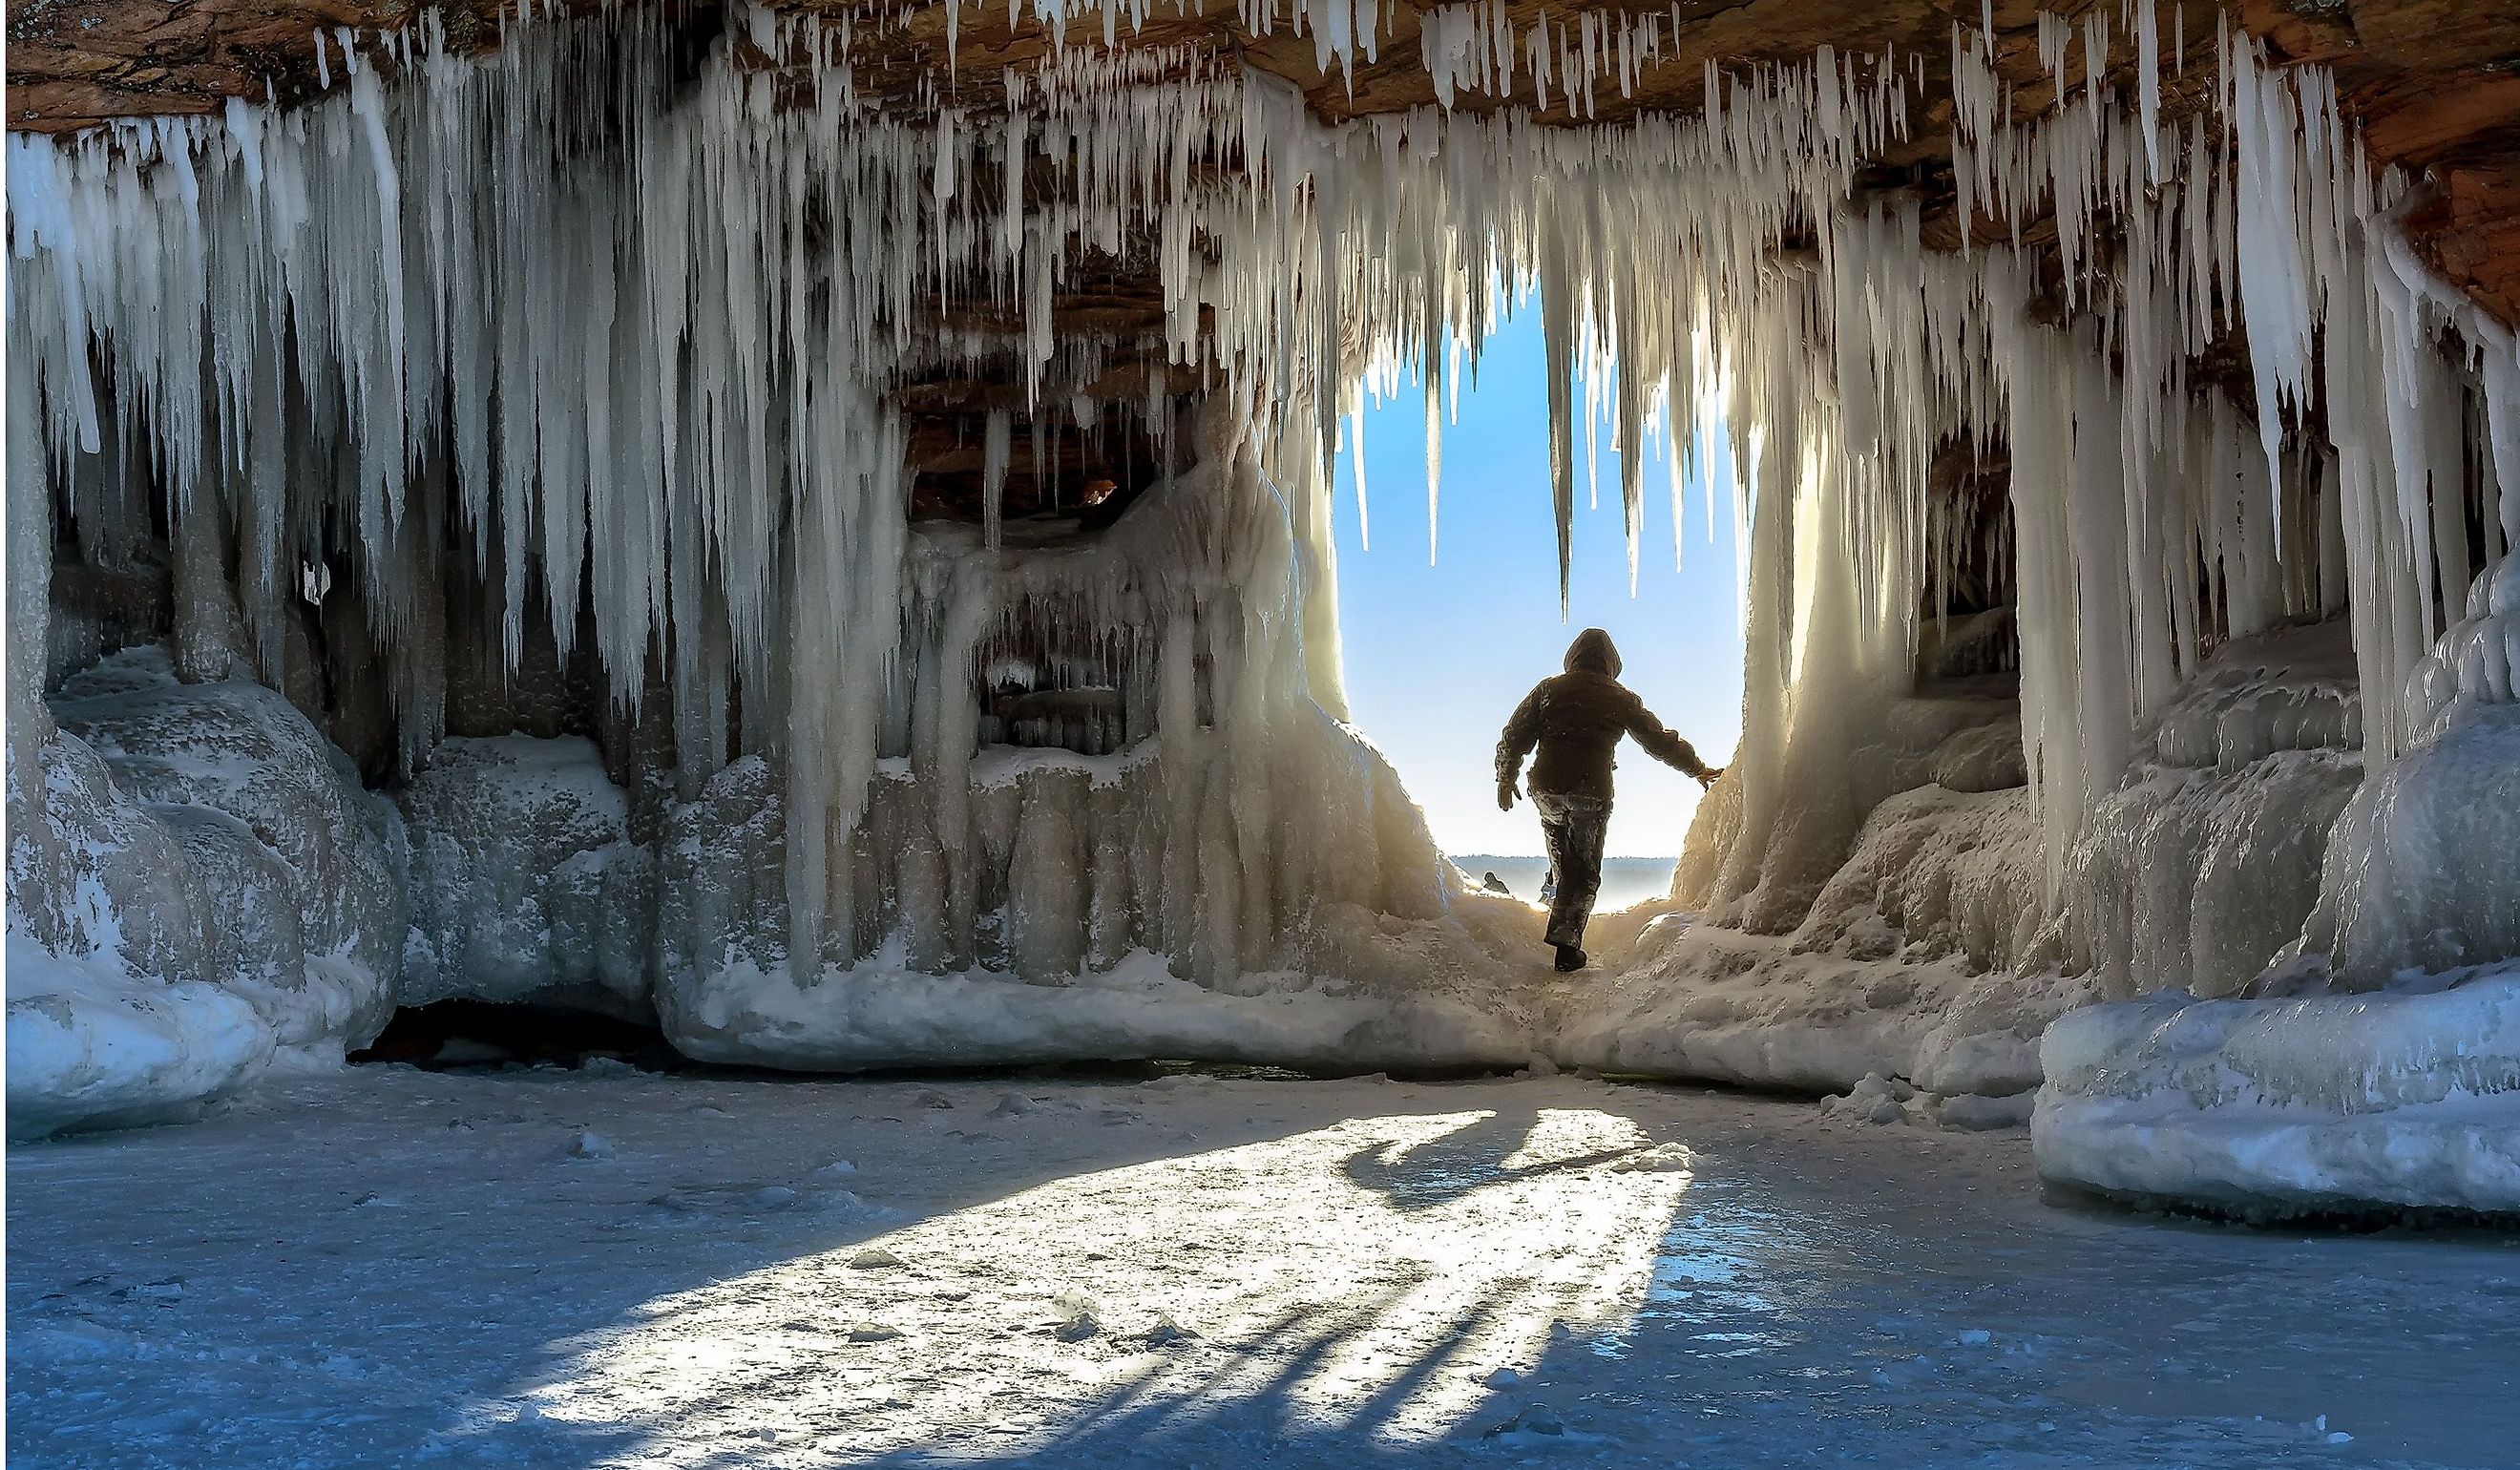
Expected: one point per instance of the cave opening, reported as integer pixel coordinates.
(463, 1033)
(1448, 607)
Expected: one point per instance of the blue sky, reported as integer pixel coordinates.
(1436, 657)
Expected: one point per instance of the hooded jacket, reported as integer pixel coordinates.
(1575, 720)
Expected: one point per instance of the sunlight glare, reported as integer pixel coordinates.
(1366, 1277)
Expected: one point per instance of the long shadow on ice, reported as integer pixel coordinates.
(1476, 1156)
(355, 1255)
(1824, 1295)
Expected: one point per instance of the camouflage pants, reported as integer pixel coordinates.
(1573, 827)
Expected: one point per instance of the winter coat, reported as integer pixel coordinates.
(1575, 719)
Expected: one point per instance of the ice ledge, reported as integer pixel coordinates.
(2275, 1108)
(878, 1013)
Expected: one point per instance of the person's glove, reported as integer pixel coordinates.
(1710, 775)
(1507, 791)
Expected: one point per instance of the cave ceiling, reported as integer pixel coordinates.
(2435, 84)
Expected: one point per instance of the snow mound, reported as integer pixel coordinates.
(525, 883)
(1983, 758)
(197, 886)
(2268, 1108)
(93, 1045)
(881, 1013)
(1878, 1100)
(1904, 966)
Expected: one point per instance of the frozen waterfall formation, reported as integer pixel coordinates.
(841, 566)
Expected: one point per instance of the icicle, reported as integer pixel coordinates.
(2147, 61)
(1434, 445)
(997, 445)
(513, 360)
(1557, 318)
(1356, 463)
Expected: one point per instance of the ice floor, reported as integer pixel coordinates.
(559, 1270)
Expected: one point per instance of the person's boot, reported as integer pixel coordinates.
(1569, 959)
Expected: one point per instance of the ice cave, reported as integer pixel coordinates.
(805, 528)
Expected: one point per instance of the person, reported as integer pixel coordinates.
(1574, 720)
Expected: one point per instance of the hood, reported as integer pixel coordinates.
(1593, 651)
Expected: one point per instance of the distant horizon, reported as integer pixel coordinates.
(1459, 858)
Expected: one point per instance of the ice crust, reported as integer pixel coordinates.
(2273, 1107)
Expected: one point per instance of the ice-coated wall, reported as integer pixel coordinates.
(2202, 865)
(2421, 873)
(1244, 877)
(2397, 1089)
(525, 885)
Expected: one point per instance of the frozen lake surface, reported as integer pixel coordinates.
(389, 1266)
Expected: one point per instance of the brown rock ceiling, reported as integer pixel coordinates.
(2436, 84)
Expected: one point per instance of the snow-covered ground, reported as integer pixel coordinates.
(388, 1267)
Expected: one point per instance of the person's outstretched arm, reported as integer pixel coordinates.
(1521, 732)
(1660, 742)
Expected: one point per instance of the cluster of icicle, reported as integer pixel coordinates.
(1466, 48)
(2154, 520)
(627, 335)
(2172, 531)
